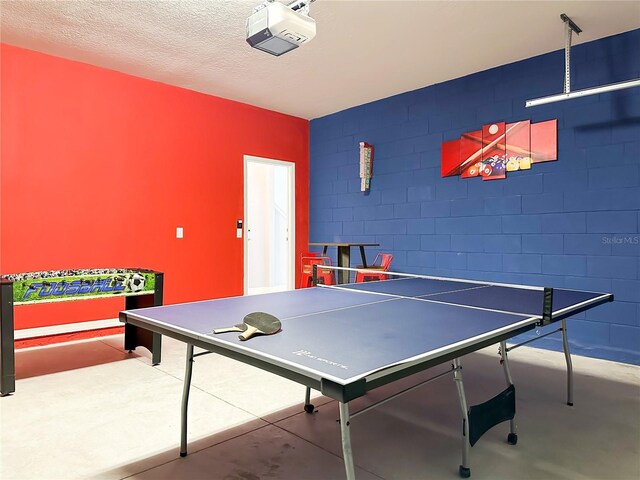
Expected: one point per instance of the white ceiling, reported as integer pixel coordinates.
(363, 50)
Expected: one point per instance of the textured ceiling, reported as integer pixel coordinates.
(363, 50)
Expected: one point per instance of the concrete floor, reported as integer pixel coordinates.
(90, 410)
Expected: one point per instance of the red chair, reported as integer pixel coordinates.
(381, 264)
(324, 275)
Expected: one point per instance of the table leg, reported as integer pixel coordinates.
(464, 469)
(364, 257)
(512, 438)
(7, 347)
(135, 336)
(567, 357)
(346, 441)
(185, 400)
(308, 406)
(344, 260)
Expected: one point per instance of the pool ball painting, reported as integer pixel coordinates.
(500, 148)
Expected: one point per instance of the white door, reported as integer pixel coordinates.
(269, 245)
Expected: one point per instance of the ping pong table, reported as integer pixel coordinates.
(347, 340)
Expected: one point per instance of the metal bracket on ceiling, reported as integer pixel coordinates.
(570, 23)
(570, 27)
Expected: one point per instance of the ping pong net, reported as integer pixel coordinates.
(526, 300)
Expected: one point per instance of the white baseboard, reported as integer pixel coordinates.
(67, 328)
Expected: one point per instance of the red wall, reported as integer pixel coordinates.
(97, 169)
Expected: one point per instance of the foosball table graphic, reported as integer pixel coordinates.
(140, 287)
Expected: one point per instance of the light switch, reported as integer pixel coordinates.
(179, 232)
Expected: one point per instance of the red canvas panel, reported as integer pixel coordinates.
(471, 154)
(518, 146)
(493, 151)
(544, 146)
(450, 158)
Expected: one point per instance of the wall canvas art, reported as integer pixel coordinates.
(500, 148)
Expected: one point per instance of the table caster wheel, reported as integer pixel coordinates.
(465, 472)
(309, 408)
(512, 439)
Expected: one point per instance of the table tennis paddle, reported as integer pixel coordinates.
(241, 327)
(260, 323)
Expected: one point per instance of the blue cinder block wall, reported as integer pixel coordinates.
(573, 223)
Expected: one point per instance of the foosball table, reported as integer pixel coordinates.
(140, 287)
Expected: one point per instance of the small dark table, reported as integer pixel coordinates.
(344, 255)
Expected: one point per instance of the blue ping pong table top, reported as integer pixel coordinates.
(353, 332)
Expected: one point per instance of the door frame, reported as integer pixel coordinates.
(291, 174)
